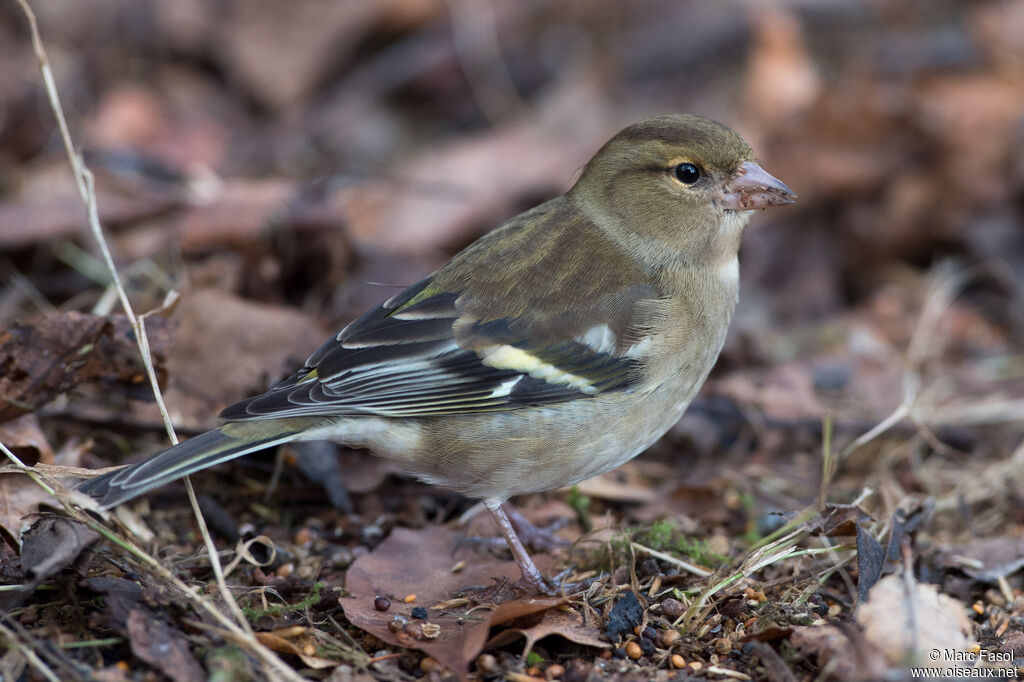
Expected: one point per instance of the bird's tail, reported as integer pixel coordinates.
(195, 454)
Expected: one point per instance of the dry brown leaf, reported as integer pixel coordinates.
(781, 80)
(297, 641)
(783, 392)
(833, 651)
(61, 216)
(906, 625)
(986, 559)
(227, 348)
(418, 562)
(19, 494)
(48, 358)
(51, 544)
(625, 484)
(156, 643)
(481, 191)
(567, 624)
(280, 51)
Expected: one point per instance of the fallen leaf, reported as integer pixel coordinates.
(62, 216)
(419, 562)
(48, 546)
(43, 360)
(625, 484)
(832, 648)
(297, 641)
(986, 559)
(153, 640)
(19, 494)
(566, 624)
(906, 622)
(781, 79)
(227, 348)
(477, 190)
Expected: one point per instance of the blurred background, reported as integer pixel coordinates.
(285, 165)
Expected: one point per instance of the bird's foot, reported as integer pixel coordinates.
(538, 538)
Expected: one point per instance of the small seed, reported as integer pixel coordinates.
(633, 650)
(381, 603)
(672, 608)
(409, 598)
(723, 645)
(669, 637)
(397, 623)
(431, 630)
(678, 662)
(429, 665)
(834, 610)
(554, 671)
(487, 663)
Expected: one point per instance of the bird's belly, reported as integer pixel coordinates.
(532, 450)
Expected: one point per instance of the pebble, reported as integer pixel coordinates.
(419, 613)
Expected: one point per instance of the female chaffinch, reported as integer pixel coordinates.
(556, 347)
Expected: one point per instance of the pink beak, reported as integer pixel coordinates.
(751, 187)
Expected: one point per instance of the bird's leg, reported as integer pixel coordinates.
(532, 576)
(537, 539)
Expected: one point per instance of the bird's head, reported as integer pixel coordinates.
(677, 182)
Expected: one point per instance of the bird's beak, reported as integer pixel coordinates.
(752, 187)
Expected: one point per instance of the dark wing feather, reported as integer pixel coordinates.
(405, 359)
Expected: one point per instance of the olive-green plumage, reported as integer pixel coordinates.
(554, 348)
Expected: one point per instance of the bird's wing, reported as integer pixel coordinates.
(429, 351)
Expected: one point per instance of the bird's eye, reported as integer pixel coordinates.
(687, 173)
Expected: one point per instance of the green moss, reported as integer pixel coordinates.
(254, 615)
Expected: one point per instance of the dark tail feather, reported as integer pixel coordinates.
(195, 454)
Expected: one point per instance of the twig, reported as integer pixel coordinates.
(85, 182)
(478, 50)
(940, 295)
(669, 559)
(31, 473)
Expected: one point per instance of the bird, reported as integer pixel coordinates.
(554, 348)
